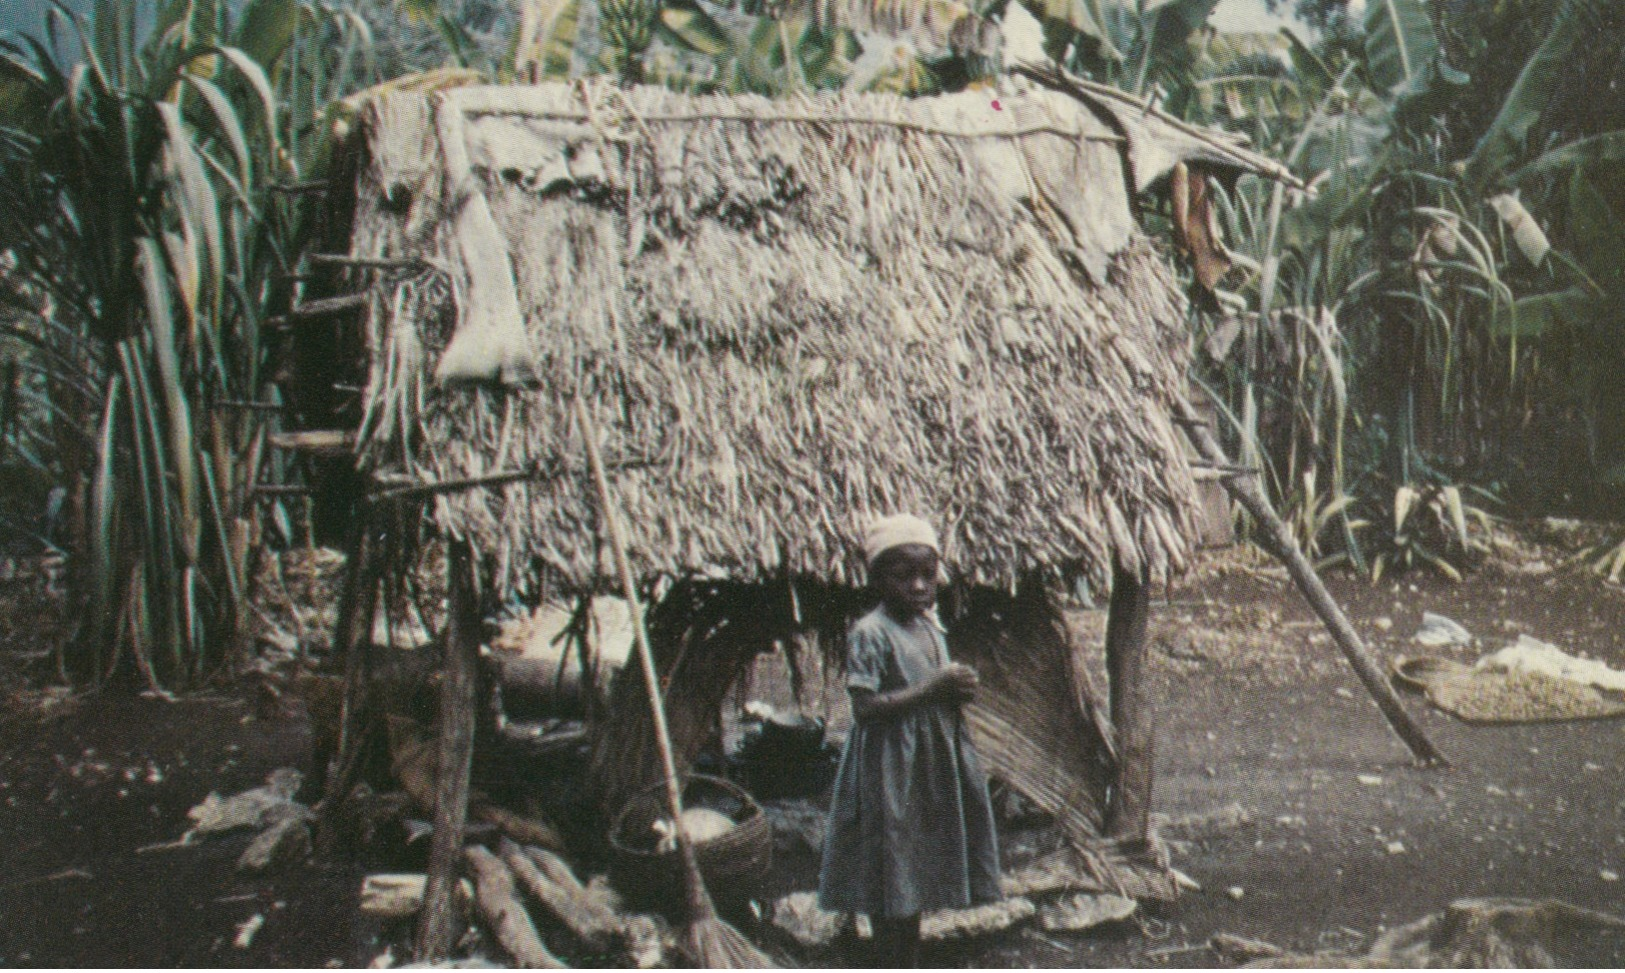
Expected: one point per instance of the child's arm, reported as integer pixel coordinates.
(955, 684)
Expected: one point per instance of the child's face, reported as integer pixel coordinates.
(906, 577)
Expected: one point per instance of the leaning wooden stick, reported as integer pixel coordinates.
(1277, 539)
(711, 942)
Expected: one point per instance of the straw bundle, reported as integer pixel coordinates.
(785, 316)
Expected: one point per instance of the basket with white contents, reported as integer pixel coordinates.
(732, 839)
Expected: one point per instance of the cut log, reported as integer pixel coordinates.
(497, 901)
(456, 755)
(593, 920)
(392, 895)
(1277, 539)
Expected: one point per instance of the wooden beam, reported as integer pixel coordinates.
(1128, 818)
(456, 755)
(1277, 539)
(282, 490)
(252, 406)
(295, 188)
(368, 263)
(352, 639)
(329, 442)
(326, 306)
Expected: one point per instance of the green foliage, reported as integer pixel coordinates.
(132, 195)
(1462, 311)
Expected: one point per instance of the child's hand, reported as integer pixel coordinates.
(957, 683)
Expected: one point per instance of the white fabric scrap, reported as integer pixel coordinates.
(1532, 655)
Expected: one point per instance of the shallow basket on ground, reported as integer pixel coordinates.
(733, 863)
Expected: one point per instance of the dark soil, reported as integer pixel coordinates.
(1336, 837)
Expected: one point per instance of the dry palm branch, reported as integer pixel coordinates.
(709, 941)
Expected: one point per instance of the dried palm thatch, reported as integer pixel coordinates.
(783, 317)
(1037, 725)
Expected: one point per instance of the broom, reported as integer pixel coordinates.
(708, 940)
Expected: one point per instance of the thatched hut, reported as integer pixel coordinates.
(782, 317)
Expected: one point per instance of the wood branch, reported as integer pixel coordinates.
(328, 442)
(549, 879)
(294, 188)
(521, 102)
(1278, 540)
(254, 406)
(518, 827)
(1128, 663)
(497, 901)
(456, 756)
(323, 307)
(367, 263)
(282, 490)
(416, 491)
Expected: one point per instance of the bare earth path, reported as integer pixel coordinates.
(1288, 798)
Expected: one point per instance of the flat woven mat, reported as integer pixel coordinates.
(1496, 695)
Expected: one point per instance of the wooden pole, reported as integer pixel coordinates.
(700, 907)
(358, 602)
(456, 754)
(1278, 540)
(1128, 818)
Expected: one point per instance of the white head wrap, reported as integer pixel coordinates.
(889, 532)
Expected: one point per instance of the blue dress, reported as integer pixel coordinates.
(910, 824)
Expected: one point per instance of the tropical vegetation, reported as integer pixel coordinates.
(1424, 334)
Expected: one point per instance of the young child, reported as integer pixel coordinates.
(910, 824)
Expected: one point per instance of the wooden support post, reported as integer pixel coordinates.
(1277, 539)
(352, 637)
(456, 756)
(1128, 818)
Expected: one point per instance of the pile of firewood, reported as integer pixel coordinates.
(525, 896)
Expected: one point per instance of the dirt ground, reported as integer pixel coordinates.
(1286, 796)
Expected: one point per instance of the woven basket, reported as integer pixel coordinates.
(733, 863)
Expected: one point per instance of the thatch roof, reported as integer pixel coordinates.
(783, 316)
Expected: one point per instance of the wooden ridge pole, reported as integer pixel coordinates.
(1278, 540)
